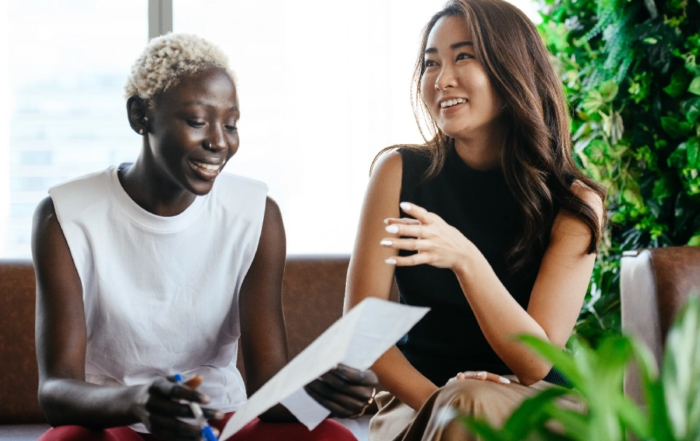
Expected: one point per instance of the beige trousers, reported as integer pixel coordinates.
(396, 421)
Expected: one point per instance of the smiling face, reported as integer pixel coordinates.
(454, 85)
(192, 130)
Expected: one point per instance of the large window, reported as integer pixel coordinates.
(319, 98)
(64, 70)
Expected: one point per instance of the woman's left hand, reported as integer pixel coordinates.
(437, 243)
(479, 375)
(345, 391)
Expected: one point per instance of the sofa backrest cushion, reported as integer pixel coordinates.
(313, 291)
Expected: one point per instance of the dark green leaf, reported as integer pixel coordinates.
(691, 109)
(678, 158)
(692, 151)
(662, 189)
(675, 127)
(678, 85)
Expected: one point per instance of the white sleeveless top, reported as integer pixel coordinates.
(161, 293)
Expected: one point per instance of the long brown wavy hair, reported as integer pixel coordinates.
(536, 157)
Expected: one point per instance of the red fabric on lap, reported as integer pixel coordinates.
(328, 430)
(79, 433)
(256, 430)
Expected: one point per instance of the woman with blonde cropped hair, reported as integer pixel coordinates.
(160, 267)
(489, 223)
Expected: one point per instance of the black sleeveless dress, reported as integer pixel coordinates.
(448, 339)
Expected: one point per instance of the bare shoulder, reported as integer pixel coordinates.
(273, 213)
(569, 230)
(50, 252)
(272, 237)
(44, 210)
(589, 196)
(384, 188)
(45, 224)
(388, 166)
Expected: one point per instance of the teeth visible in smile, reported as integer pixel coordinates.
(450, 103)
(210, 167)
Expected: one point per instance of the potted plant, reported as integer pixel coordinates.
(671, 408)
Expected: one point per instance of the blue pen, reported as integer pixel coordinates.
(207, 432)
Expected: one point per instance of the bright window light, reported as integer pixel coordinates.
(323, 87)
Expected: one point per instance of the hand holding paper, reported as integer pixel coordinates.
(357, 340)
(344, 391)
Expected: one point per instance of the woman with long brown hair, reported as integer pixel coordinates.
(499, 229)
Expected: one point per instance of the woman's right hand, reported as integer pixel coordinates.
(159, 404)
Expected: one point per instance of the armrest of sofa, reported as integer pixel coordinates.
(654, 285)
(638, 304)
(19, 377)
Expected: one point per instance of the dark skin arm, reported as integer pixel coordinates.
(344, 391)
(64, 395)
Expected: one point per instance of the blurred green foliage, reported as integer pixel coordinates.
(631, 72)
(671, 406)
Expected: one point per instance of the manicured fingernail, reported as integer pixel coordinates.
(392, 229)
(386, 221)
(481, 374)
(503, 380)
(405, 206)
(390, 261)
(385, 243)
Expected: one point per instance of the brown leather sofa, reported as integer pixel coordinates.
(313, 293)
(654, 285)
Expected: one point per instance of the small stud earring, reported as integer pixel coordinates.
(141, 131)
(145, 118)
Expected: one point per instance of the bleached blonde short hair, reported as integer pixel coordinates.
(169, 57)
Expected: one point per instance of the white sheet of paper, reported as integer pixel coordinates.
(356, 340)
(308, 411)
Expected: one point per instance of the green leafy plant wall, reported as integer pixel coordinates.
(631, 72)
